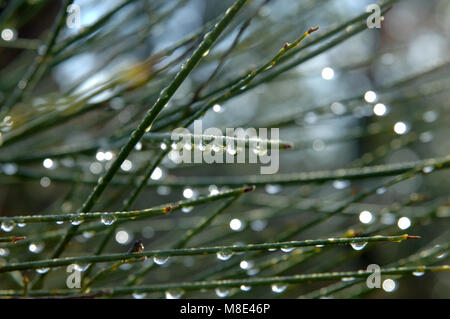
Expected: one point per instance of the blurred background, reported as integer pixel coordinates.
(379, 97)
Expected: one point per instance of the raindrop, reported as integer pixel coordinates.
(245, 288)
(347, 279)
(272, 189)
(341, 184)
(35, 248)
(358, 246)
(108, 220)
(174, 294)
(404, 223)
(236, 224)
(327, 73)
(188, 193)
(4, 252)
(366, 217)
(370, 96)
(418, 273)
(389, 285)
(287, 249)
(7, 226)
(139, 295)
(187, 209)
(42, 270)
(76, 222)
(21, 225)
(278, 288)
(428, 169)
(59, 222)
(222, 292)
(160, 260)
(224, 255)
(81, 268)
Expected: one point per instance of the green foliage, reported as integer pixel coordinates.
(364, 150)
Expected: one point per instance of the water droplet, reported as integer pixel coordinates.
(428, 169)
(21, 225)
(389, 285)
(187, 209)
(7, 226)
(174, 294)
(272, 189)
(137, 295)
(347, 279)
(59, 222)
(4, 252)
(404, 223)
(442, 256)
(245, 288)
(287, 249)
(160, 260)
(42, 270)
(358, 246)
(108, 220)
(222, 292)
(366, 217)
(278, 288)
(418, 273)
(236, 224)
(81, 268)
(76, 222)
(341, 184)
(224, 255)
(35, 248)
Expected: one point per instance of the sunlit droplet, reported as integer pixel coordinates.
(187, 209)
(245, 288)
(174, 294)
(400, 128)
(358, 246)
(188, 193)
(236, 224)
(126, 166)
(108, 220)
(139, 295)
(42, 270)
(224, 255)
(160, 260)
(7, 226)
(327, 73)
(157, 174)
(35, 248)
(404, 223)
(380, 109)
(389, 285)
(370, 96)
(366, 217)
(123, 237)
(222, 292)
(278, 288)
(8, 34)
